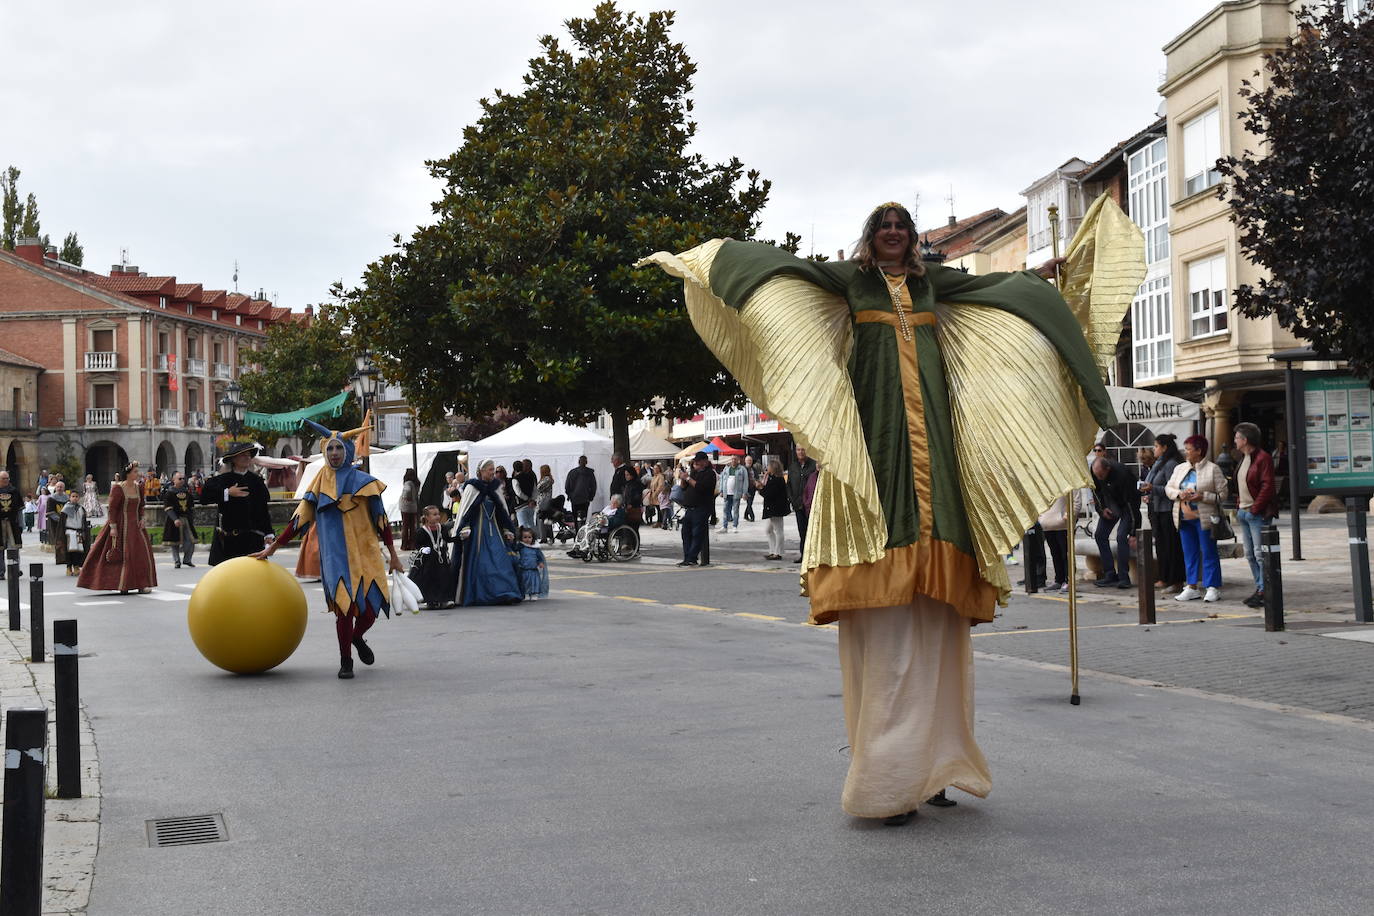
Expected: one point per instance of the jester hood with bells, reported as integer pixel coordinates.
(345, 506)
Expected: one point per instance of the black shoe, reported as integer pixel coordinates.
(189, 564)
(686, 563)
(345, 668)
(797, 560)
(1256, 600)
(1105, 581)
(899, 820)
(365, 653)
(177, 566)
(1124, 583)
(939, 800)
(703, 563)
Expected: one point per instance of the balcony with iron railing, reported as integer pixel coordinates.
(168, 416)
(223, 370)
(101, 359)
(23, 419)
(194, 366)
(102, 416)
(160, 362)
(197, 419)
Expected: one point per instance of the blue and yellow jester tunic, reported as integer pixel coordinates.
(345, 506)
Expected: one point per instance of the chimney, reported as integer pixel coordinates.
(309, 310)
(952, 220)
(30, 250)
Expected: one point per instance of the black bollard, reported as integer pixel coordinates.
(1145, 575)
(21, 834)
(1355, 507)
(67, 700)
(38, 630)
(1273, 578)
(12, 580)
(706, 546)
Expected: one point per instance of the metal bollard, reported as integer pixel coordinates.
(1145, 574)
(1273, 579)
(38, 630)
(21, 834)
(67, 700)
(12, 580)
(1359, 556)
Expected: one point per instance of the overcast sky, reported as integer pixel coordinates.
(291, 136)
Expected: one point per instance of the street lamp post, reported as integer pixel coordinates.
(231, 410)
(365, 387)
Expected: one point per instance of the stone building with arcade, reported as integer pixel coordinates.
(124, 366)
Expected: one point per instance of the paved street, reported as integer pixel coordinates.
(660, 740)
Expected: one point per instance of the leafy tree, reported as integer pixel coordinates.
(72, 252)
(302, 364)
(1304, 205)
(67, 464)
(521, 295)
(11, 211)
(30, 228)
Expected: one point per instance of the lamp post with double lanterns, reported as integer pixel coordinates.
(231, 410)
(365, 381)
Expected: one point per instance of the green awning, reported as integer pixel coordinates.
(289, 422)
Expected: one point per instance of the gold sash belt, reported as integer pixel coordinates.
(871, 316)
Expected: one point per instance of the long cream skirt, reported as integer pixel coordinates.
(908, 705)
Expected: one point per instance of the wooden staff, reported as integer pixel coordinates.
(1071, 509)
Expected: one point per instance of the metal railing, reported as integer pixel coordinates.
(96, 360)
(102, 416)
(168, 416)
(195, 366)
(24, 419)
(196, 419)
(161, 362)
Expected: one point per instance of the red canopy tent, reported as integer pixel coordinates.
(725, 448)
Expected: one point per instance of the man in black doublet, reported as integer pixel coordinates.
(244, 524)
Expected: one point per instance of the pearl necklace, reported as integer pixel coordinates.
(894, 291)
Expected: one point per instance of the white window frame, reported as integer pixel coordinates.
(1152, 330)
(1208, 298)
(1201, 150)
(1148, 194)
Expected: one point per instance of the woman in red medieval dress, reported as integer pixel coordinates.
(121, 559)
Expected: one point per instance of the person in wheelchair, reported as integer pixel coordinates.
(592, 539)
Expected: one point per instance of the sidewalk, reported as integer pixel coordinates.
(71, 825)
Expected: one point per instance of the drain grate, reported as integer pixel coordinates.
(187, 831)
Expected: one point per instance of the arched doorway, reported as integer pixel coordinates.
(1125, 440)
(104, 460)
(195, 458)
(12, 465)
(286, 448)
(166, 461)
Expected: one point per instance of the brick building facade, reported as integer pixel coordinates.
(133, 365)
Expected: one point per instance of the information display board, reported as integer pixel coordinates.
(1337, 441)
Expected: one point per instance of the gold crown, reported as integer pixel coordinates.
(891, 204)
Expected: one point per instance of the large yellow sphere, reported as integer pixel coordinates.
(247, 615)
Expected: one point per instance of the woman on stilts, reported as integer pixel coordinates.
(344, 507)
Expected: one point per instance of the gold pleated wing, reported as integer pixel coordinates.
(1021, 427)
(1104, 267)
(788, 347)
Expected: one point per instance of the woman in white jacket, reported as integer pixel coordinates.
(1197, 488)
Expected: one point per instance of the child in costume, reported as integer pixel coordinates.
(534, 572)
(344, 506)
(430, 566)
(78, 533)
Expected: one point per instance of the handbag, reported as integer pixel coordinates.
(113, 554)
(1221, 529)
(677, 494)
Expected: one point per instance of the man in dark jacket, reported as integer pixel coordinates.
(799, 474)
(1118, 502)
(698, 499)
(580, 488)
(11, 518)
(180, 531)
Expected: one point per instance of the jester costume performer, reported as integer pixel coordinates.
(343, 506)
(947, 411)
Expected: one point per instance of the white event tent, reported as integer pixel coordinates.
(645, 446)
(556, 444)
(390, 467)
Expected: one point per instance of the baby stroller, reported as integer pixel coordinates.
(556, 522)
(597, 542)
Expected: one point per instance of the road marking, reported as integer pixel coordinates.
(1111, 626)
(55, 594)
(632, 598)
(170, 597)
(96, 603)
(574, 591)
(698, 607)
(647, 572)
(757, 616)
